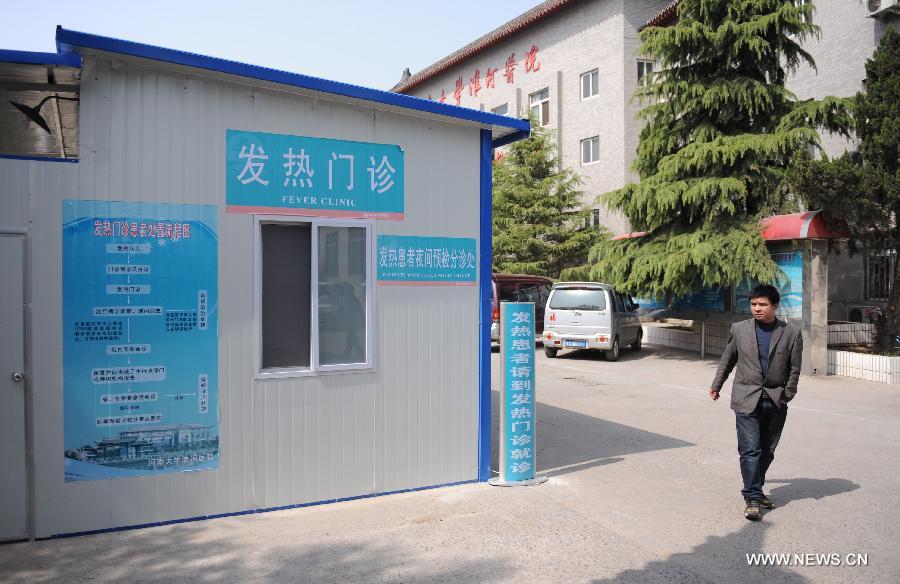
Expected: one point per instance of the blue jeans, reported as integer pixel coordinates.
(758, 434)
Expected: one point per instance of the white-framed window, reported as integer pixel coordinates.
(590, 84)
(595, 217)
(501, 110)
(540, 106)
(590, 150)
(644, 69)
(313, 295)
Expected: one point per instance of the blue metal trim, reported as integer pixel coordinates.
(69, 40)
(38, 158)
(485, 301)
(29, 58)
(510, 138)
(250, 511)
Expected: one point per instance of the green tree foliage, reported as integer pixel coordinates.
(864, 191)
(720, 131)
(538, 215)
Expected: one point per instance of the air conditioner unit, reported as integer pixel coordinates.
(883, 8)
(860, 312)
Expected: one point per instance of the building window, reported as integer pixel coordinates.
(590, 150)
(314, 310)
(879, 274)
(644, 69)
(807, 18)
(501, 110)
(540, 106)
(595, 217)
(590, 84)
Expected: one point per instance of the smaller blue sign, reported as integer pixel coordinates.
(791, 305)
(412, 260)
(298, 175)
(518, 419)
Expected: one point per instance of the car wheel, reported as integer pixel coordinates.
(636, 345)
(613, 354)
(550, 352)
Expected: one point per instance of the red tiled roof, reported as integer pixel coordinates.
(631, 235)
(521, 22)
(664, 17)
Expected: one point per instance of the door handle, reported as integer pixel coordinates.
(17, 376)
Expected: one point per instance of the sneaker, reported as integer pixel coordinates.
(766, 502)
(751, 511)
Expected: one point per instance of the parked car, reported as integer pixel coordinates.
(519, 288)
(590, 315)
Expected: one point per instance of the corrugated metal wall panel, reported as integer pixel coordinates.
(148, 134)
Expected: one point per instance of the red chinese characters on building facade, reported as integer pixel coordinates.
(489, 78)
(475, 83)
(532, 65)
(457, 93)
(510, 68)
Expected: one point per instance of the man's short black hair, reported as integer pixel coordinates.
(767, 291)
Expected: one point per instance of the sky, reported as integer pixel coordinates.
(364, 43)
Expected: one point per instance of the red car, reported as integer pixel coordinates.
(519, 288)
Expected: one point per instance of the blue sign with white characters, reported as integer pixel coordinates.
(791, 305)
(712, 299)
(297, 175)
(518, 419)
(140, 339)
(412, 260)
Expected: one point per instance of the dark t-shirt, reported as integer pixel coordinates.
(763, 340)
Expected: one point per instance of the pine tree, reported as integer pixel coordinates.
(863, 191)
(721, 130)
(538, 217)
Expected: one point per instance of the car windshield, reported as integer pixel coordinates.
(578, 299)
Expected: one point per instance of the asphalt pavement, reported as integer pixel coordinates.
(644, 486)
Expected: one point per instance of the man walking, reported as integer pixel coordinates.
(767, 352)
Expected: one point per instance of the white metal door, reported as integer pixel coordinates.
(13, 478)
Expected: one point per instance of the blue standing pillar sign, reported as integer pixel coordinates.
(517, 416)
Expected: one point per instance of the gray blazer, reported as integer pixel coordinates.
(785, 354)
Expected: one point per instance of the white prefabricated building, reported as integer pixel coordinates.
(230, 289)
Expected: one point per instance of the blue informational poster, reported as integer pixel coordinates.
(518, 419)
(140, 339)
(711, 299)
(791, 305)
(410, 260)
(707, 299)
(297, 175)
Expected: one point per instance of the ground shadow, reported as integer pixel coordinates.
(796, 489)
(626, 354)
(217, 551)
(718, 559)
(725, 559)
(568, 441)
(381, 562)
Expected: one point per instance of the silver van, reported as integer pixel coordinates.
(590, 315)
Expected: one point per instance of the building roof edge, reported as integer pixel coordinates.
(517, 24)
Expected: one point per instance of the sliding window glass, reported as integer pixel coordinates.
(285, 302)
(313, 299)
(342, 295)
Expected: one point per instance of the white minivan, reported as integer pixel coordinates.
(590, 315)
